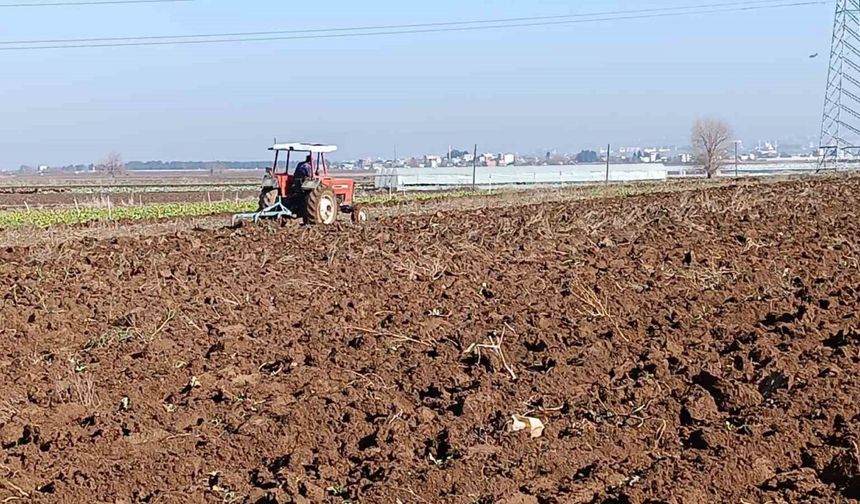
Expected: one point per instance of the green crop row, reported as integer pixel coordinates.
(67, 216)
(395, 199)
(47, 217)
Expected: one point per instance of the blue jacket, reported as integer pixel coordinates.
(303, 170)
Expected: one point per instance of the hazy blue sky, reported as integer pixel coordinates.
(629, 82)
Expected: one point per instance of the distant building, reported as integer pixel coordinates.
(485, 159)
(432, 161)
(507, 159)
(767, 150)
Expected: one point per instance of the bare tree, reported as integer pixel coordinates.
(112, 165)
(711, 141)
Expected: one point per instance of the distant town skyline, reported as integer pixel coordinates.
(793, 144)
(759, 150)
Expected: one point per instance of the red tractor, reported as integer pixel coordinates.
(305, 191)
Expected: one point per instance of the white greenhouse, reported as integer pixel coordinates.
(432, 178)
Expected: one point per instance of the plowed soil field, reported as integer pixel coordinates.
(689, 347)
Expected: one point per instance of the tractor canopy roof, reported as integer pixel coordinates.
(304, 147)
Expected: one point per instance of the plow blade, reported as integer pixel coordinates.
(276, 211)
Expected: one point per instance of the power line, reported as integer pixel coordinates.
(93, 2)
(339, 33)
(400, 26)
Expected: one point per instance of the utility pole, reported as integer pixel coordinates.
(475, 167)
(736, 158)
(608, 149)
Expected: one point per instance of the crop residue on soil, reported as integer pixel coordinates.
(701, 346)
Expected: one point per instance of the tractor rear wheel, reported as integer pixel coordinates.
(359, 214)
(321, 206)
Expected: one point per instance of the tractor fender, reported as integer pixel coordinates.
(310, 185)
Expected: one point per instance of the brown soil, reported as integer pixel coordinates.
(679, 347)
(399, 205)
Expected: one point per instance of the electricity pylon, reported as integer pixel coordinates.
(840, 124)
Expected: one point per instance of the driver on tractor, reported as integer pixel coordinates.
(304, 170)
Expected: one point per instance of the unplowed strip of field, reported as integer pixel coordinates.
(699, 346)
(95, 221)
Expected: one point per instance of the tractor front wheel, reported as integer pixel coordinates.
(268, 197)
(359, 214)
(321, 206)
